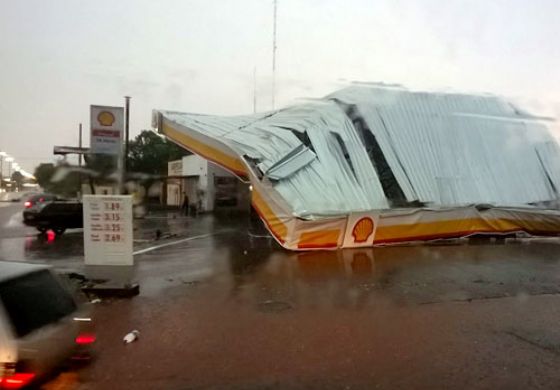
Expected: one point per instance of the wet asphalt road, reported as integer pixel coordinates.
(225, 310)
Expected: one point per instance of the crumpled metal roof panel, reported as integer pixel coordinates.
(340, 179)
(439, 149)
(453, 149)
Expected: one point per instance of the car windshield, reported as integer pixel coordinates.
(35, 300)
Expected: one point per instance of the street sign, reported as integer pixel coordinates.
(107, 124)
(108, 229)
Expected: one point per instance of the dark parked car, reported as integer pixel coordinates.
(46, 212)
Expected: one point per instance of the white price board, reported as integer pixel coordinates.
(107, 124)
(108, 229)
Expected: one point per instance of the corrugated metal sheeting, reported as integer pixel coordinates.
(453, 149)
(338, 177)
(343, 153)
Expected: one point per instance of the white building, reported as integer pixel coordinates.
(207, 185)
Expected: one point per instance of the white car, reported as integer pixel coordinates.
(41, 324)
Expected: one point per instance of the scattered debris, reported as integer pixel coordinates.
(191, 282)
(77, 276)
(159, 235)
(367, 286)
(271, 306)
(111, 291)
(132, 336)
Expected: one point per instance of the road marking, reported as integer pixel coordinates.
(153, 248)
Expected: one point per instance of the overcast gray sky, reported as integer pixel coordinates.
(58, 57)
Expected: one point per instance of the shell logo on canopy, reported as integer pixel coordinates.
(362, 230)
(106, 118)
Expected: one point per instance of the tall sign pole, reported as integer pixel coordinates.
(108, 232)
(80, 146)
(80, 161)
(2, 154)
(126, 131)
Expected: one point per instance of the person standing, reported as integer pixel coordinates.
(185, 205)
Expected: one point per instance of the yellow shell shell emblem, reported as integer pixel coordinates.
(106, 118)
(362, 229)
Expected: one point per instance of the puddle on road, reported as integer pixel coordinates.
(39, 247)
(404, 275)
(257, 270)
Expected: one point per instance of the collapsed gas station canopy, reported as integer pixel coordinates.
(321, 168)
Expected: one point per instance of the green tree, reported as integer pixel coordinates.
(18, 178)
(148, 155)
(101, 169)
(43, 173)
(102, 165)
(59, 179)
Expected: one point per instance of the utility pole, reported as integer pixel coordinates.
(122, 161)
(80, 162)
(126, 131)
(80, 146)
(2, 154)
(274, 56)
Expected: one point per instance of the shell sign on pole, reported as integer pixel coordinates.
(107, 124)
(360, 230)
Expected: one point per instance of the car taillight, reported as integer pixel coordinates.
(16, 380)
(85, 338)
(27, 204)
